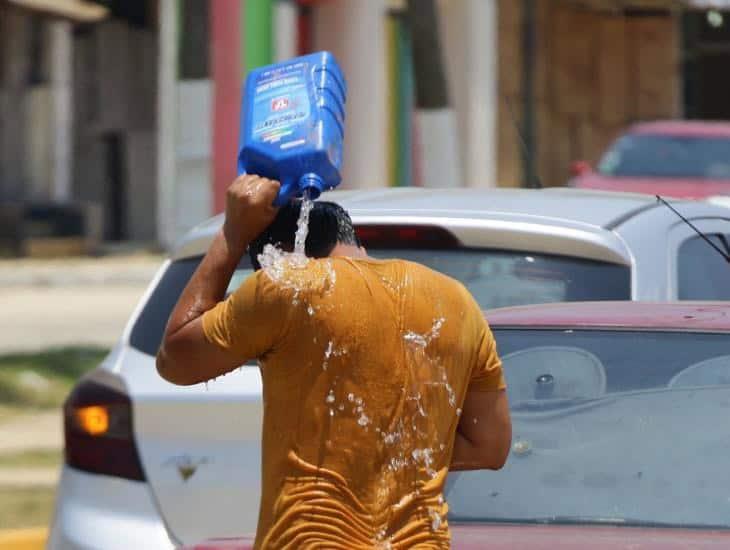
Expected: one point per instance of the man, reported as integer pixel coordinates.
(378, 376)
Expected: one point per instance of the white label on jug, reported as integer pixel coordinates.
(281, 104)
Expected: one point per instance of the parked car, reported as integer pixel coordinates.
(617, 439)
(152, 465)
(677, 158)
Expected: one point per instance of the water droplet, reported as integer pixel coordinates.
(458, 412)
(341, 407)
(350, 397)
(363, 420)
(475, 420)
(330, 397)
(310, 310)
(332, 413)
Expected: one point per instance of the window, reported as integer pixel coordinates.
(703, 274)
(496, 278)
(613, 438)
(665, 156)
(502, 278)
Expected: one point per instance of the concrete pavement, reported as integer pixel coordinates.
(32, 431)
(52, 303)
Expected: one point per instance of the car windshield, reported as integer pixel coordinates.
(495, 278)
(619, 427)
(664, 156)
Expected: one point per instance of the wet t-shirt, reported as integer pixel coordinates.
(365, 367)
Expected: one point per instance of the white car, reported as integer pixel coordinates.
(152, 465)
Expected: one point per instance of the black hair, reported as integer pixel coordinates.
(329, 224)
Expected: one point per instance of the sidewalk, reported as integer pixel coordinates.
(125, 269)
(36, 431)
(70, 301)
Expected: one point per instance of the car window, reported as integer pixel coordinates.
(609, 427)
(496, 278)
(499, 278)
(147, 332)
(703, 274)
(654, 155)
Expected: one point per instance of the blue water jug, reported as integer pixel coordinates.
(292, 125)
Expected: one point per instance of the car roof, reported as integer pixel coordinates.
(698, 128)
(598, 208)
(528, 211)
(689, 316)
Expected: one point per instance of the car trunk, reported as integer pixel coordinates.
(200, 448)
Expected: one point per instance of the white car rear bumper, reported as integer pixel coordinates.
(96, 512)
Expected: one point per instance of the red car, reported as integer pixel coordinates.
(621, 437)
(680, 158)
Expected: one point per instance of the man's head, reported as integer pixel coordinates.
(329, 225)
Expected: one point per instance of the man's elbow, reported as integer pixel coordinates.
(495, 456)
(172, 368)
(496, 460)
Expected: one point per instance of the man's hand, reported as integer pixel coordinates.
(249, 209)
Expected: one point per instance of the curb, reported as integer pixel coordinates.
(23, 539)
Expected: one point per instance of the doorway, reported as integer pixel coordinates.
(706, 52)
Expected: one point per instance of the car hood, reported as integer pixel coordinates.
(684, 188)
(531, 537)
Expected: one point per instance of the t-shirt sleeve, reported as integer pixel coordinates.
(486, 372)
(251, 321)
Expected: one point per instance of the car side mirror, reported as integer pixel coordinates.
(580, 168)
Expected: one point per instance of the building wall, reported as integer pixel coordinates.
(15, 29)
(114, 103)
(596, 72)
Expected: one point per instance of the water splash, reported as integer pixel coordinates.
(300, 237)
(435, 519)
(275, 261)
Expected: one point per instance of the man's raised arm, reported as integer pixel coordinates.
(186, 357)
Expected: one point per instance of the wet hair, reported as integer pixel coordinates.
(329, 224)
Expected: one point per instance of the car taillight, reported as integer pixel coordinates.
(406, 236)
(98, 432)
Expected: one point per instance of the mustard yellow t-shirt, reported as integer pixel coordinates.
(365, 366)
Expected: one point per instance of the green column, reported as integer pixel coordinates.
(257, 39)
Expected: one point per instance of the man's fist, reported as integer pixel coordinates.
(249, 209)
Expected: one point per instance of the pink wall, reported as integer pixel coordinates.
(226, 63)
